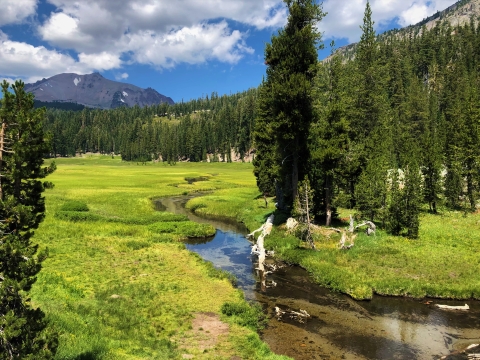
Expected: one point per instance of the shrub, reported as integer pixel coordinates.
(187, 229)
(244, 314)
(74, 205)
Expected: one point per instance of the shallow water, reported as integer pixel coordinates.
(339, 327)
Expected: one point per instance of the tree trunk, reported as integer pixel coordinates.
(279, 195)
(295, 172)
(328, 200)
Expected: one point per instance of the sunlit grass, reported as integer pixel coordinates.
(118, 282)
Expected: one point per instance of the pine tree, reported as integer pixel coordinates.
(292, 58)
(329, 136)
(23, 329)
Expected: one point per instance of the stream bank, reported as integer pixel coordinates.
(339, 327)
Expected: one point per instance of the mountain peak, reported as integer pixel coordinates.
(93, 90)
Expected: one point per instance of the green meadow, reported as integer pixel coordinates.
(119, 283)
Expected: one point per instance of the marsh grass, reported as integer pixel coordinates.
(118, 282)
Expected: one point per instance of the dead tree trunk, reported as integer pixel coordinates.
(328, 200)
(259, 248)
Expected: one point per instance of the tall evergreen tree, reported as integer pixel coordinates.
(292, 58)
(23, 332)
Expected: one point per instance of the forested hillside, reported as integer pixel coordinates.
(185, 131)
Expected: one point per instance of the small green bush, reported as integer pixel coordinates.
(74, 205)
(244, 314)
(77, 216)
(194, 230)
(187, 229)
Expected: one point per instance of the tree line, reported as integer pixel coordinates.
(209, 126)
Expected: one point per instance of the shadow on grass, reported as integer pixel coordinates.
(90, 355)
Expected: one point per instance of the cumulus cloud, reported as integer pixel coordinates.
(19, 60)
(193, 45)
(15, 11)
(157, 33)
(345, 16)
(122, 76)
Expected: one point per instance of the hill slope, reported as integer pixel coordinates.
(93, 90)
(457, 14)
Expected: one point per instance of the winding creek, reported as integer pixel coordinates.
(339, 327)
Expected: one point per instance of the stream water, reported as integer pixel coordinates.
(339, 327)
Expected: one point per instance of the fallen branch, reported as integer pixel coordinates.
(259, 250)
(301, 316)
(448, 307)
(371, 227)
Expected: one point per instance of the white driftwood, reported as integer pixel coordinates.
(371, 227)
(448, 307)
(291, 223)
(301, 316)
(259, 250)
(343, 240)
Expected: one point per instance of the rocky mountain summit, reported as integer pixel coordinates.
(93, 90)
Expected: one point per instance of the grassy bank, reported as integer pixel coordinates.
(118, 282)
(442, 263)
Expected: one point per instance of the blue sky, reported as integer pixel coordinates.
(182, 48)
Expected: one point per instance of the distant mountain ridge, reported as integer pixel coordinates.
(93, 90)
(457, 14)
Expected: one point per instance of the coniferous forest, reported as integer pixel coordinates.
(392, 128)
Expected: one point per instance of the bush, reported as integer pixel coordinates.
(74, 205)
(187, 229)
(244, 314)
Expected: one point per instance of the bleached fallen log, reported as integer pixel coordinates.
(473, 356)
(266, 227)
(343, 240)
(259, 249)
(301, 316)
(448, 307)
(371, 227)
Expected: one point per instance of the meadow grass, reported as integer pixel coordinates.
(442, 263)
(118, 282)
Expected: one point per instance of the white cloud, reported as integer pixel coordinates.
(19, 60)
(158, 33)
(15, 11)
(122, 76)
(413, 15)
(193, 45)
(100, 61)
(345, 16)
